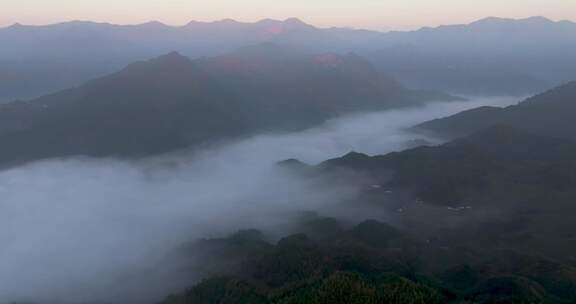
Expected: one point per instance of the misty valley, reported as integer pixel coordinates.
(277, 162)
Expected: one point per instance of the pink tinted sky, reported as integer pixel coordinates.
(373, 14)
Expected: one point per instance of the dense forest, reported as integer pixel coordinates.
(486, 218)
(374, 262)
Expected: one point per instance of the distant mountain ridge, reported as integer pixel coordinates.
(496, 55)
(297, 24)
(35, 60)
(172, 102)
(486, 57)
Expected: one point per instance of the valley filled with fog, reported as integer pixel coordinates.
(242, 155)
(87, 230)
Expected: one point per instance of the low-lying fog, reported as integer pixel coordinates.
(82, 230)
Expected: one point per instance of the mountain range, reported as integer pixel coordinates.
(487, 57)
(172, 102)
(492, 56)
(35, 60)
(485, 217)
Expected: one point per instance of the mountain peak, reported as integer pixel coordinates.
(172, 59)
(502, 21)
(275, 27)
(153, 23)
(222, 22)
(295, 21)
(17, 25)
(492, 20)
(355, 155)
(227, 21)
(292, 163)
(289, 21)
(172, 62)
(174, 55)
(352, 159)
(540, 19)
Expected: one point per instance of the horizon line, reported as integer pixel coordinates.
(297, 19)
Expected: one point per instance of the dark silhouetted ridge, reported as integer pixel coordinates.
(549, 113)
(171, 102)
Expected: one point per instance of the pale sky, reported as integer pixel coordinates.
(372, 14)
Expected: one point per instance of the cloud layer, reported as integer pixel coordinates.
(84, 230)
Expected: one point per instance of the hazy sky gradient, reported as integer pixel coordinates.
(373, 14)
